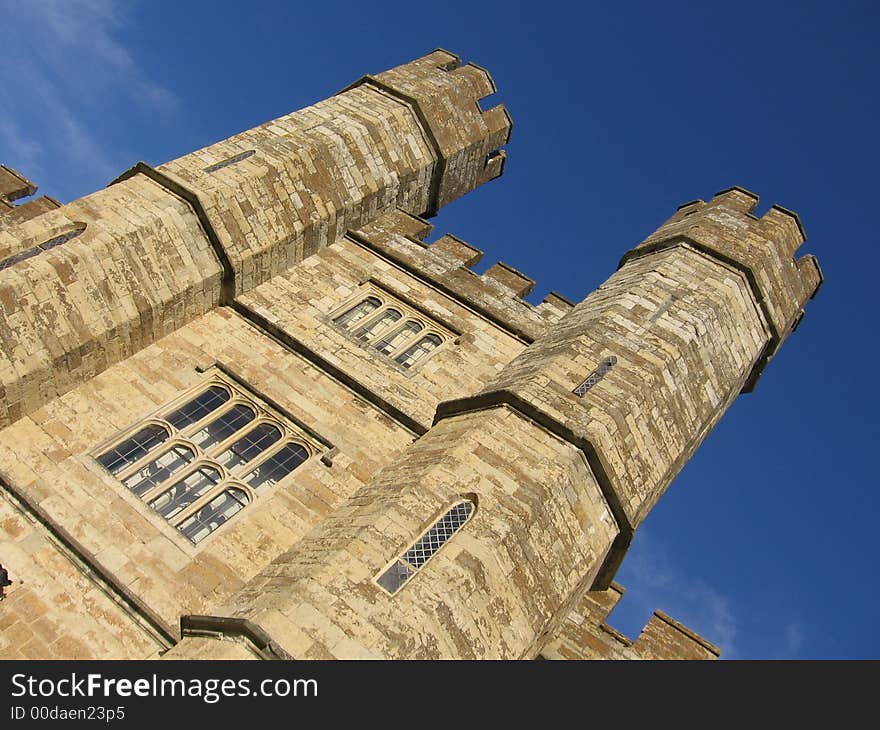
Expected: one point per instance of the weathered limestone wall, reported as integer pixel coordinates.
(539, 534)
(161, 247)
(140, 268)
(55, 610)
(48, 457)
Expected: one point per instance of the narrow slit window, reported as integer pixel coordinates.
(595, 376)
(230, 161)
(133, 448)
(416, 352)
(423, 549)
(389, 344)
(360, 310)
(44, 246)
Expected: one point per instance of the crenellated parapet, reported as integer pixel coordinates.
(447, 263)
(762, 248)
(13, 187)
(586, 635)
(446, 96)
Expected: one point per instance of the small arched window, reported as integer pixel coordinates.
(159, 469)
(380, 324)
(416, 352)
(250, 446)
(360, 310)
(277, 466)
(133, 448)
(229, 502)
(397, 338)
(222, 427)
(183, 493)
(423, 549)
(199, 407)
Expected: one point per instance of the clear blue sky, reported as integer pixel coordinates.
(766, 542)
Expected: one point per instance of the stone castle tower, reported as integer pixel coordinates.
(247, 411)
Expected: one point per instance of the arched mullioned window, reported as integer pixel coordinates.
(200, 462)
(422, 550)
(204, 403)
(133, 448)
(387, 325)
(277, 466)
(377, 325)
(393, 341)
(226, 504)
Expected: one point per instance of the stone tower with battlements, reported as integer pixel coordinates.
(248, 412)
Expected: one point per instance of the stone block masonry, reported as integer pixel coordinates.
(286, 269)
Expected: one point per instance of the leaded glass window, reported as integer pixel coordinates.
(183, 493)
(133, 448)
(159, 469)
(204, 403)
(378, 325)
(222, 427)
(594, 377)
(214, 514)
(423, 549)
(277, 466)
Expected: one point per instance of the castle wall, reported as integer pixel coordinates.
(490, 593)
(163, 246)
(238, 265)
(55, 608)
(48, 458)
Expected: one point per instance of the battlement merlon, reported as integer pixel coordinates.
(586, 634)
(762, 248)
(446, 96)
(13, 185)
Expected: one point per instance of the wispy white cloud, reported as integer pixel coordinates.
(65, 69)
(653, 581)
(793, 637)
